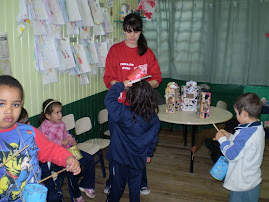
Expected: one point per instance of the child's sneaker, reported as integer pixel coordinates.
(89, 192)
(106, 189)
(144, 191)
(79, 199)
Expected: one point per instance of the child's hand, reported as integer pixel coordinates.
(65, 142)
(126, 83)
(73, 165)
(220, 134)
(73, 142)
(148, 159)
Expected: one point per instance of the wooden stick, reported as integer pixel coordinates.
(216, 127)
(14, 155)
(52, 175)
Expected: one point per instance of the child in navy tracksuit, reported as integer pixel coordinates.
(134, 135)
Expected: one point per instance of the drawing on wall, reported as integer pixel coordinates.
(85, 13)
(39, 10)
(54, 31)
(102, 53)
(96, 12)
(93, 51)
(56, 12)
(84, 79)
(98, 29)
(72, 10)
(71, 28)
(107, 23)
(81, 59)
(66, 56)
(5, 68)
(50, 76)
(149, 7)
(39, 27)
(48, 53)
(84, 32)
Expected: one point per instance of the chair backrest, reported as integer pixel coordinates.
(69, 121)
(83, 125)
(221, 104)
(103, 116)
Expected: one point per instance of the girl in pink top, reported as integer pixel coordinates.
(51, 124)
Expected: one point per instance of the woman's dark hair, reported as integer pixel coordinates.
(249, 102)
(142, 100)
(47, 109)
(6, 80)
(133, 22)
(23, 116)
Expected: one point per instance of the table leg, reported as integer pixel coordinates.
(185, 131)
(194, 131)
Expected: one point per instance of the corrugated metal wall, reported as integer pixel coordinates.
(68, 88)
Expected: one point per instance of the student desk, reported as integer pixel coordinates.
(217, 115)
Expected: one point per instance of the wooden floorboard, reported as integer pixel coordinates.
(169, 178)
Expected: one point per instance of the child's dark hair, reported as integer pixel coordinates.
(142, 100)
(23, 116)
(47, 109)
(249, 102)
(133, 22)
(6, 80)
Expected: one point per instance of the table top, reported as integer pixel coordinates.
(217, 115)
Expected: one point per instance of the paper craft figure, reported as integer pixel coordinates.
(72, 10)
(39, 10)
(49, 53)
(85, 13)
(56, 12)
(39, 27)
(102, 53)
(96, 11)
(93, 51)
(66, 56)
(149, 7)
(71, 28)
(107, 23)
(81, 59)
(84, 32)
(54, 31)
(50, 76)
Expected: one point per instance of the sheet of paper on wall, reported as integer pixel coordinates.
(56, 12)
(109, 3)
(84, 79)
(39, 10)
(66, 55)
(39, 27)
(149, 7)
(50, 76)
(81, 59)
(49, 53)
(85, 13)
(22, 16)
(38, 60)
(84, 32)
(71, 28)
(5, 68)
(97, 13)
(4, 50)
(93, 51)
(98, 29)
(107, 23)
(102, 53)
(109, 43)
(72, 10)
(93, 69)
(55, 31)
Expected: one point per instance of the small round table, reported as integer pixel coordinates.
(217, 115)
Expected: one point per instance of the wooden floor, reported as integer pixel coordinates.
(169, 178)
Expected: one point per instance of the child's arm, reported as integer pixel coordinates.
(50, 151)
(221, 133)
(114, 107)
(152, 146)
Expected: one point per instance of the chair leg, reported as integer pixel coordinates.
(101, 163)
(70, 189)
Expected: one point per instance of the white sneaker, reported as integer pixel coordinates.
(144, 191)
(106, 189)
